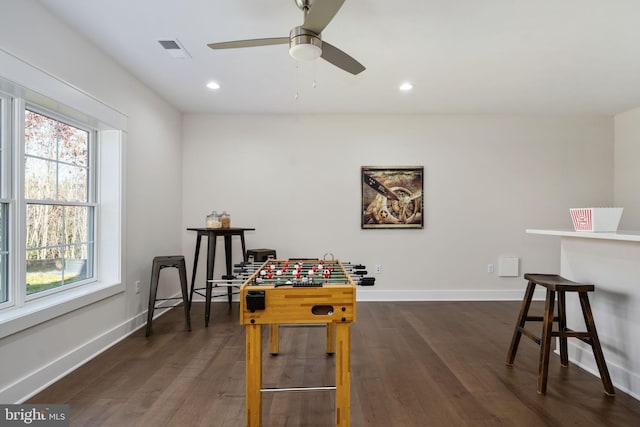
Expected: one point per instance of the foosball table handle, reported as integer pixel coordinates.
(367, 281)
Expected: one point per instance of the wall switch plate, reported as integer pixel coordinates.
(137, 286)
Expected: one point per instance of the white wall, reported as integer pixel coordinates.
(34, 357)
(627, 172)
(296, 179)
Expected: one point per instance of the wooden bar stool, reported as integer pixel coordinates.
(159, 263)
(556, 284)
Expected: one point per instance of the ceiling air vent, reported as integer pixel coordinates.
(174, 48)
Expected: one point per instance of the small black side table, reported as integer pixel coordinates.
(212, 235)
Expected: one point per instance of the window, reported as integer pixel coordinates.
(59, 208)
(4, 254)
(61, 197)
(4, 202)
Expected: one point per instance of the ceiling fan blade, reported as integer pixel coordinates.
(320, 14)
(249, 43)
(340, 59)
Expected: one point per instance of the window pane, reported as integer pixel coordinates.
(76, 225)
(40, 135)
(44, 269)
(2, 109)
(78, 263)
(73, 145)
(39, 179)
(3, 228)
(57, 157)
(4, 286)
(4, 256)
(73, 183)
(44, 227)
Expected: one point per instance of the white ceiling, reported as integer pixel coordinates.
(463, 56)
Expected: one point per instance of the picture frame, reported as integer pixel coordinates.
(392, 197)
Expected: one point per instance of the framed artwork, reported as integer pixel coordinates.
(392, 196)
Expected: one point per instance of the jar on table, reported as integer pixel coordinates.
(225, 220)
(213, 220)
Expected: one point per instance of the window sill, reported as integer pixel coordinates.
(17, 319)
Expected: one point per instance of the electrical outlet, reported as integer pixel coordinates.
(137, 286)
(378, 269)
(489, 268)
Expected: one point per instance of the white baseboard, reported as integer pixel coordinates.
(622, 378)
(45, 376)
(373, 295)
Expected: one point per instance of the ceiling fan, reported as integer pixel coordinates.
(305, 41)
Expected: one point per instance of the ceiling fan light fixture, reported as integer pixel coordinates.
(305, 52)
(304, 45)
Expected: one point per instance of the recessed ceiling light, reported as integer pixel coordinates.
(405, 87)
(213, 85)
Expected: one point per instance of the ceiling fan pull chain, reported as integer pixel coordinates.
(297, 95)
(315, 83)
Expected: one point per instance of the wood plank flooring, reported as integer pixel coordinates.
(412, 364)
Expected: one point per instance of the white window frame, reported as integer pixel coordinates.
(91, 196)
(28, 85)
(5, 182)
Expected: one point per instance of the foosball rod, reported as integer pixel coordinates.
(252, 268)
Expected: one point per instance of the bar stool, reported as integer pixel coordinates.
(159, 263)
(556, 284)
(260, 255)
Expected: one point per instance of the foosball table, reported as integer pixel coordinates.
(298, 291)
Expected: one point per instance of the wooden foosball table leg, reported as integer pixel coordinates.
(343, 374)
(331, 338)
(274, 339)
(253, 375)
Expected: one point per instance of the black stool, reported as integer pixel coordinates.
(560, 285)
(159, 263)
(260, 255)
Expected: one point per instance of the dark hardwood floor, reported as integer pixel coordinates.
(412, 364)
